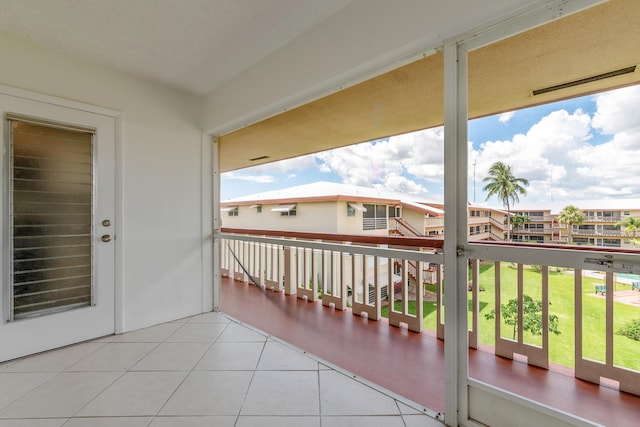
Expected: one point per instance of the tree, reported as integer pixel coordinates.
(630, 225)
(519, 220)
(506, 187)
(571, 216)
(532, 316)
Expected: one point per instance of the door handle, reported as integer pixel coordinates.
(105, 238)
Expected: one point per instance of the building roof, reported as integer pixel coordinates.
(330, 191)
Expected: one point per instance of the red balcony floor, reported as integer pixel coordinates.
(412, 364)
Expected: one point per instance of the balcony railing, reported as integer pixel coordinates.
(343, 275)
(520, 230)
(434, 222)
(603, 219)
(374, 223)
(540, 218)
(472, 220)
(369, 274)
(582, 232)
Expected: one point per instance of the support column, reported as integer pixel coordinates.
(455, 260)
(215, 187)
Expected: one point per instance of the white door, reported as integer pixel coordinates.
(58, 224)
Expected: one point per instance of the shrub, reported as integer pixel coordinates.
(532, 316)
(537, 268)
(631, 329)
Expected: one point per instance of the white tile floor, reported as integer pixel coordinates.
(207, 370)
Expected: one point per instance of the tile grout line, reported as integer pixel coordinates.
(244, 398)
(420, 408)
(157, 414)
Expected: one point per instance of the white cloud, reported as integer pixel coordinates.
(561, 158)
(260, 179)
(395, 164)
(618, 111)
(424, 153)
(401, 184)
(543, 155)
(271, 172)
(505, 117)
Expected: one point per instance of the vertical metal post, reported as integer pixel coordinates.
(215, 187)
(455, 205)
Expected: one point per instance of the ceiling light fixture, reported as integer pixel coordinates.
(610, 74)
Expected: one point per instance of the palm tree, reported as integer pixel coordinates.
(505, 186)
(519, 220)
(571, 216)
(630, 225)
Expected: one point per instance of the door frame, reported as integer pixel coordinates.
(117, 230)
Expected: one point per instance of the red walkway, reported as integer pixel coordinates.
(411, 364)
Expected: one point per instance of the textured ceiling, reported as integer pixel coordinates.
(192, 45)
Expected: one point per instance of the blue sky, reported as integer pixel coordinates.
(585, 148)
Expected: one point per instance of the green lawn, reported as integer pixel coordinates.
(428, 312)
(561, 297)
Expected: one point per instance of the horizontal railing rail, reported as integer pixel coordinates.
(374, 223)
(616, 233)
(400, 241)
(433, 222)
(520, 230)
(540, 218)
(602, 218)
(473, 220)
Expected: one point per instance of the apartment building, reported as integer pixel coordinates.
(541, 227)
(603, 225)
(329, 207)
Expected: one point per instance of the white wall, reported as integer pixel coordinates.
(414, 218)
(160, 230)
(310, 217)
(349, 224)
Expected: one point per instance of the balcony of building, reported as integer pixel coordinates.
(344, 303)
(577, 231)
(540, 218)
(480, 235)
(531, 230)
(473, 220)
(603, 218)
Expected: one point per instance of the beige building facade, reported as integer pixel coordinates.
(603, 225)
(330, 208)
(334, 208)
